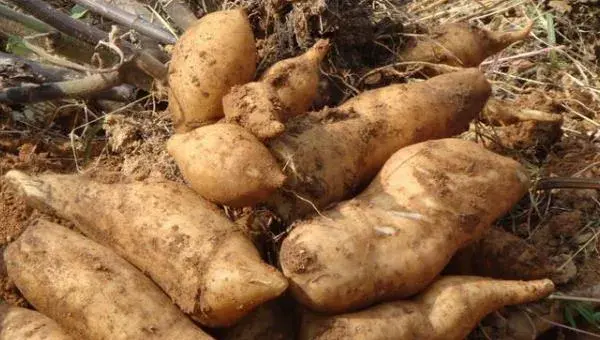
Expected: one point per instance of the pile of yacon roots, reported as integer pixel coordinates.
(157, 255)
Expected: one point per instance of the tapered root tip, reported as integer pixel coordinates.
(319, 50)
(34, 190)
(503, 39)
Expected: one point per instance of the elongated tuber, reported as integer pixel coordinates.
(286, 89)
(184, 243)
(91, 291)
(461, 44)
(213, 55)
(226, 164)
(393, 239)
(448, 310)
(18, 323)
(329, 155)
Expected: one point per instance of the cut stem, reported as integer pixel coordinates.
(568, 183)
(128, 19)
(84, 87)
(67, 25)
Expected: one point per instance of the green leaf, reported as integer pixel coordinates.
(569, 316)
(78, 12)
(14, 45)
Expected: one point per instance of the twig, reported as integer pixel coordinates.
(558, 324)
(568, 183)
(128, 19)
(180, 13)
(50, 73)
(67, 25)
(83, 87)
(572, 298)
(523, 55)
(121, 93)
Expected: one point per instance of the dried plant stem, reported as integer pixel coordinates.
(180, 13)
(67, 25)
(121, 93)
(128, 19)
(84, 87)
(568, 183)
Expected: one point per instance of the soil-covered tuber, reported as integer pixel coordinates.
(89, 290)
(226, 164)
(330, 155)
(184, 243)
(286, 89)
(448, 310)
(461, 44)
(18, 323)
(392, 240)
(213, 55)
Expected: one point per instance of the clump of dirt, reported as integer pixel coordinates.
(137, 146)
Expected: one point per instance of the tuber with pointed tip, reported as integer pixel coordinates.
(330, 155)
(183, 242)
(89, 290)
(18, 323)
(391, 241)
(286, 89)
(461, 44)
(448, 310)
(213, 55)
(226, 164)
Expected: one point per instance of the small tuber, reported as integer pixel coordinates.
(226, 164)
(461, 44)
(214, 54)
(286, 89)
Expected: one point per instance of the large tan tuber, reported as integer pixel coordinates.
(286, 89)
(212, 56)
(391, 241)
(184, 243)
(24, 324)
(226, 164)
(448, 310)
(89, 290)
(329, 155)
(461, 44)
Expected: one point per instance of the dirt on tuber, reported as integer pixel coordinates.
(448, 310)
(392, 240)
(226, 164)
(330, 155)
(89, 290)
(460, 44)
(207, 61)
(18, 323)
(285, 90)
(183, 242)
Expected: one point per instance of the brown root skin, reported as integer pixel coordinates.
(206, 62)
(460, 44)
(296, 80)
(448, 310)
(286, 89)
(256, 107)
(20, 323)
(226, 164)
(198, 257)
(91, 291)
(328, 155)
(429, 200)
